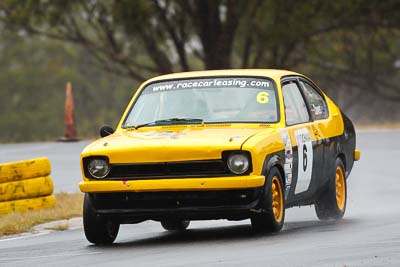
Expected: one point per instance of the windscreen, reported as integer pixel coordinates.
(211, 100)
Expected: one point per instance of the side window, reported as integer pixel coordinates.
(318, 106)
(295, 107)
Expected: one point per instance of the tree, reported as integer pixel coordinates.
(351, 47)
(142, 38)
(117, 33)
(33, 75)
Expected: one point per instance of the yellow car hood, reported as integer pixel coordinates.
(169, 144)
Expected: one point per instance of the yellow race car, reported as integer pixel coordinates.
(226, 144)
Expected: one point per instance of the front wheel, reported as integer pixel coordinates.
(98, 230)
(331, 205)
(272, 205)
(175, 225)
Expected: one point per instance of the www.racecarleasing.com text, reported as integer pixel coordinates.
(222, 82)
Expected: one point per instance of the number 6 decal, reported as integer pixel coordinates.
(304, 157)
(263, 97)
(305, 160)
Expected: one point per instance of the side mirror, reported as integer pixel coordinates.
(106, 130)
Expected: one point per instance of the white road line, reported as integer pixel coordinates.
(48, 256)
(24, 236)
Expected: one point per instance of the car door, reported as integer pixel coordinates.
(302, 137)
(318, 109)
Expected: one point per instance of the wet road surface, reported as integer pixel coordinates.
(369, 234)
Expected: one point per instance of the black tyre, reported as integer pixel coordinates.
(272, 205)
(98, 230)
(331, 204)
(175, 225)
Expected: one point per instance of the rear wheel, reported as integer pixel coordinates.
(98, 229)
(272, 205)
(331, 205)
(175, 225)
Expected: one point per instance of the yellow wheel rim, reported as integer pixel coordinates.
(277, 199)
(340, 188)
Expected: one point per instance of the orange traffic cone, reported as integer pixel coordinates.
(69, 119)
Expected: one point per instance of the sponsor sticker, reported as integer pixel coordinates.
(237, 82)
(288, 165)
(318, 110)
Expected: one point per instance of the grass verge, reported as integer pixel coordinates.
(67, 206)
(59, 227)
(377, 126)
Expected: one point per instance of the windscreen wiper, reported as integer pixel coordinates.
(169, 121)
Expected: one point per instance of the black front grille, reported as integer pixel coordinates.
(168, 169)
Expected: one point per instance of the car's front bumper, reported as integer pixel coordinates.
(131, 207)
(132, 201)
(181, 184)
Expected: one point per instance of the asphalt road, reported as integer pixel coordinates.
(369, 235)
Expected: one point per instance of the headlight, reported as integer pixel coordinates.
(238, 163)
(98, 168)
